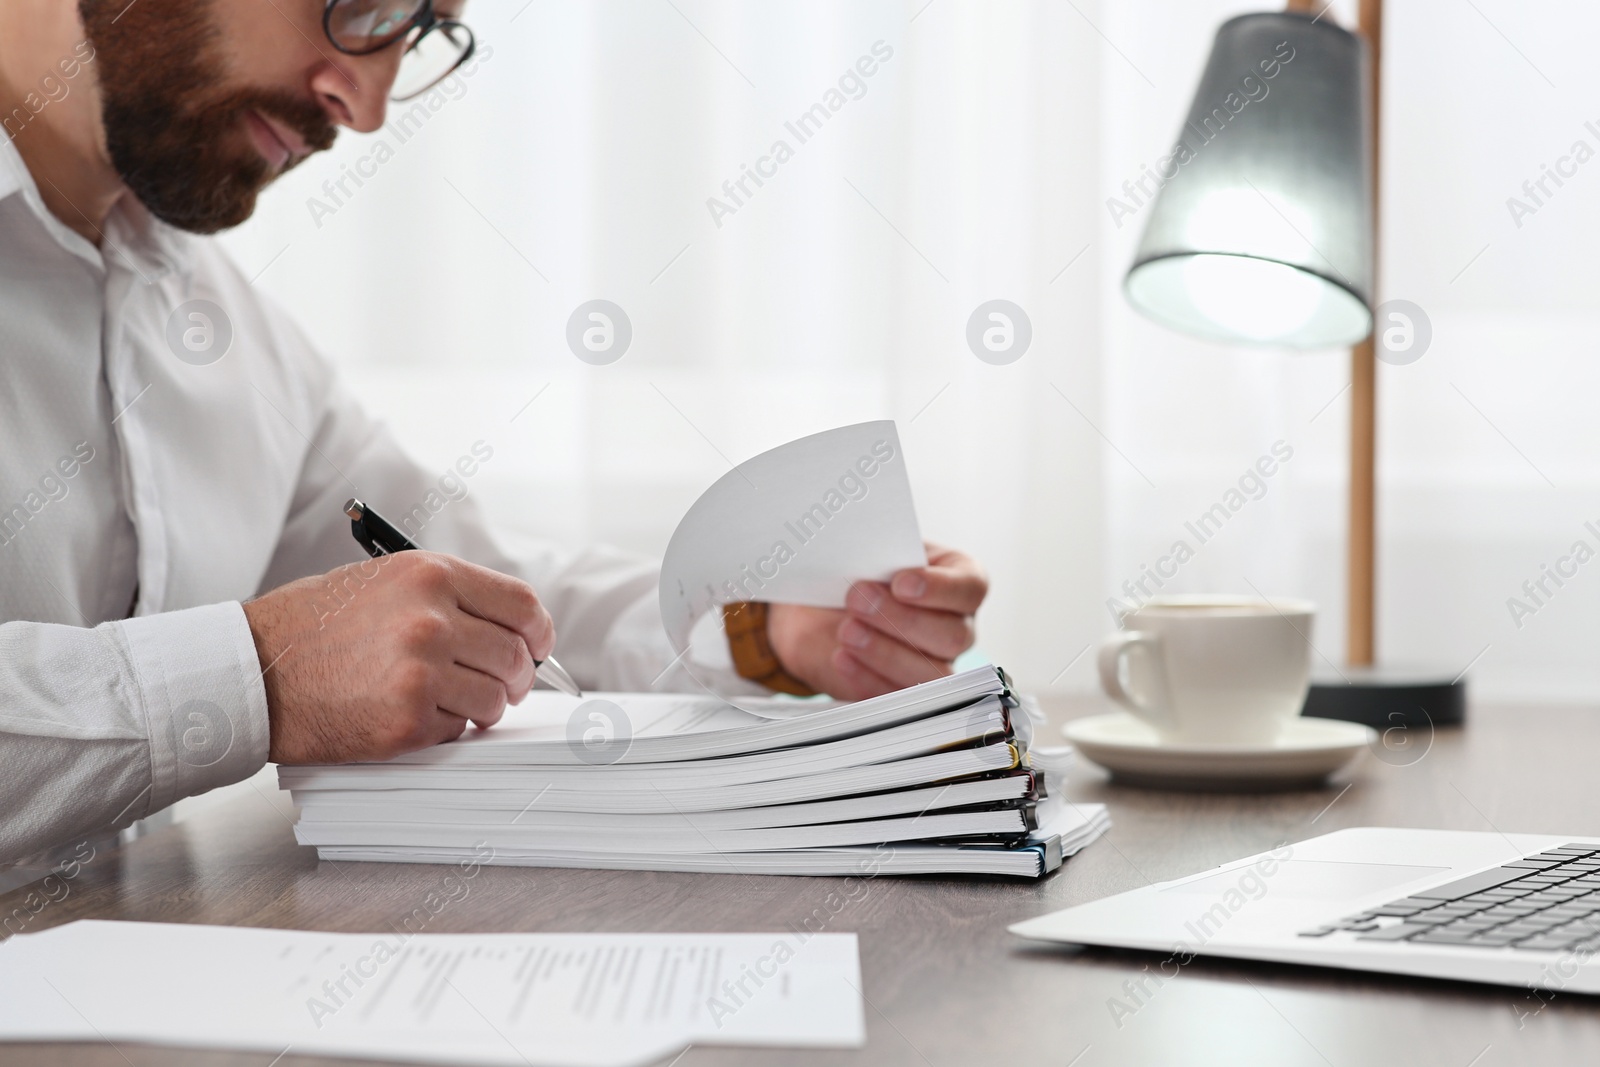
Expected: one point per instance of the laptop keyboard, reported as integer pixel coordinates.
(1547, 902)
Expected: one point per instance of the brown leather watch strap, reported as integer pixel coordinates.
(753, 658)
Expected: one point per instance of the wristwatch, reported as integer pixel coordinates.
(746, 626)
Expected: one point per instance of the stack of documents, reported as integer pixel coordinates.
(932, 779)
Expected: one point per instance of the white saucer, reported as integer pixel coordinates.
(1308, 751)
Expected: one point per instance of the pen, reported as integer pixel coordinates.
(381, 539)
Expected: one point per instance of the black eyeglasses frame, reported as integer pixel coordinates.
(424, 22)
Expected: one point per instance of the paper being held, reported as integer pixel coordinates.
(795, 525)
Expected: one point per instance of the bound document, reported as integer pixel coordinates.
(935, 778)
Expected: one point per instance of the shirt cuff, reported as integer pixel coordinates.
(204, 703)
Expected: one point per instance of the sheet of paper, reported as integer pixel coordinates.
(548, 726)
(795, 525)
(582, 999)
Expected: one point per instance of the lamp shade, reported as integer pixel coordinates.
(1261, 226)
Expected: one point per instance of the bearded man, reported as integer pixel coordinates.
(171, 529)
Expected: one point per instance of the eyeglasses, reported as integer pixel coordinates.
(434, 47)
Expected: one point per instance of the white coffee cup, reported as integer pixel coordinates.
(1212, 669)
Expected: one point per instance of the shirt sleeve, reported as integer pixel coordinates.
(102, 726)
(604, 601)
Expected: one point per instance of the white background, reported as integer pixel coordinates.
(576, 163)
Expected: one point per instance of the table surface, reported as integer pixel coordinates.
(944, 982)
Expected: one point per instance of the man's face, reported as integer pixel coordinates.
(205, 102)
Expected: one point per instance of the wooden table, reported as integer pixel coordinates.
(945, 984)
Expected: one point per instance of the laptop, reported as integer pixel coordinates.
(1507, 909)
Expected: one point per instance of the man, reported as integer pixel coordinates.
(146, 496)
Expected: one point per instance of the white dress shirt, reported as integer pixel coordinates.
(143, 496)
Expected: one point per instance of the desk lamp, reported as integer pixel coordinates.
(1263, 231)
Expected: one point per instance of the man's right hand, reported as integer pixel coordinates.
(391, 655)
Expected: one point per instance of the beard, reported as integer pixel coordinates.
(174, 128)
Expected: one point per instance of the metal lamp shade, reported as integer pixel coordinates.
(1261, 228)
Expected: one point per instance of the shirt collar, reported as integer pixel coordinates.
(12, 173)
(132, 234)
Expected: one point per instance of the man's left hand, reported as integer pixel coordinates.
(888, 636)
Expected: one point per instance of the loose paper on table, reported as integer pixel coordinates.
(591, 1000)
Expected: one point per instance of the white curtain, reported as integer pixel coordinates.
(576, 161)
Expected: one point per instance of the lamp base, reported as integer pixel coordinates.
(1386, 696)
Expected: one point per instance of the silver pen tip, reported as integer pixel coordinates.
(555, 676)
(354, 508)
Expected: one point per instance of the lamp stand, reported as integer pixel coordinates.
(1384, 697)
